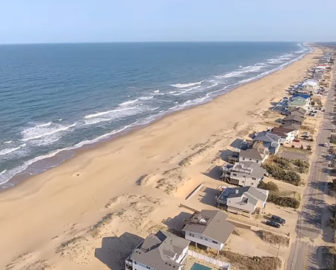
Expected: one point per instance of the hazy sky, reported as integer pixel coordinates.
(40, 21)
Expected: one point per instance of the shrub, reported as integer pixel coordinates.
(281, 174)
(333, 139)
(282, 162)
(302, 166)
(273, 238)
(283, 201)
(268, 186)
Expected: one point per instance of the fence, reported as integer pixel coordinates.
(222, 265)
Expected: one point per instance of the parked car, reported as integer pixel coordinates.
(278, 219)
(273, 224)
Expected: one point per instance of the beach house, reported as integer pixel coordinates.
(310, 85)
(299, 102)
(244, 200)
(163, 250)
(245, 173)
(286, 133)
(269, 140)
(258, 154)
(208, 228)
(293, 119)
(298, 112)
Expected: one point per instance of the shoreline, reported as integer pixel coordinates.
(138, 180)
(61, 156)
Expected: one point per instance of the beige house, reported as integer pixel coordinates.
(246, 200)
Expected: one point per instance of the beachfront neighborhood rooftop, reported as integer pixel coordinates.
(243, 199)
(162, 250)
(245, 173)
(269, 140)
(287, 133)
(258, 154)
(208, 228)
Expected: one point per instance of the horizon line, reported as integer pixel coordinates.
(177, 41)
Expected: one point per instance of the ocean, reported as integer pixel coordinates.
(56, 98)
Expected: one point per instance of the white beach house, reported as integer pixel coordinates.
(160, 251)
(208, 228)
(244, 200)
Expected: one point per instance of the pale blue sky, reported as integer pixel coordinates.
(44, 21)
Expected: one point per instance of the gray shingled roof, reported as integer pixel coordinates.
(283, 130)
(266, 136)
(215, 227)
(252, 194)
(251, 154)
(294, 117)
(256, 170)
(158, 249)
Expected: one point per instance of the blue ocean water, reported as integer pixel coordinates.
(63, 96)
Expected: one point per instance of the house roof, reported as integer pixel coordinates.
(294, 117)
(282, 131)
(302, 95)
(160, 250)
(297, 101)
(251, 154)
(266, 136)
(234, 197)
(211, 223)
(291, 126)
(249, 168)
(310, 82)
(299, 110)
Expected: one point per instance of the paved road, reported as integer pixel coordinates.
(303, 253)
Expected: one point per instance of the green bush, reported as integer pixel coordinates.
(281, 174)
(282, 162)
(301, 165)
(268, 186)
(283, 201)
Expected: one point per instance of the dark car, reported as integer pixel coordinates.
(273, 223)
(278, 219)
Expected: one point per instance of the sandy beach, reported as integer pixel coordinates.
(89, 212)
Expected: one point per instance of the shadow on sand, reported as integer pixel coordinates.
(114, 250)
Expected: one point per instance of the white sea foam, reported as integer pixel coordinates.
(41, 131)
(185, 85)
(129, 102)
(117, 113)
(44, 124)
(7, 151)
(137, 100)
(242, 71)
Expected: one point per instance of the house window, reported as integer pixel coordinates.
(191, 234)
(253, 178)
(234, 174)
(215, 242)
